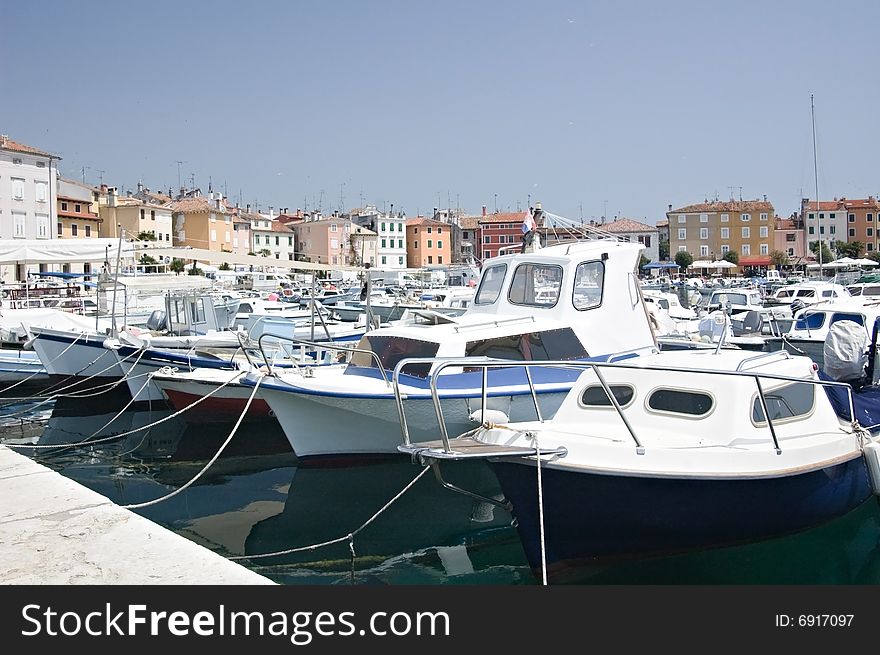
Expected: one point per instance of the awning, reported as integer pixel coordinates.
(216, 257)
(755, 260)
(62, 251)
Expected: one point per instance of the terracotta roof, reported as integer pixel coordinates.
(508, 217)
(8, 144)
(824, 205)
(869, 203)
(626, 225)
(662, 223)
(240, 219)
(424, 221)
(197, 206)
(469, 222)
(733, 206)
(785, 224)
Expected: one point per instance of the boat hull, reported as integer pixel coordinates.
(225, 406)
(589, 515)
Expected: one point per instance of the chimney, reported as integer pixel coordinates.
(128, 193)
(248, 208)
(670, 208)
(111, 197)
(484, 210)
(140, 186)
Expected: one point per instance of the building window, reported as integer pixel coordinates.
(821, 229)
(60, 229)
(73, 229)
(763, 231)
(832, 215)
(765, 249)
(725, 218)
(430, 242)
(384, 261)
(334, 244)
(430, 257)
(429, 230)
(725, 232)
(487, 254)
(764, 216)
(400, 260)
(682, 233)
(440, 245)
(724, 248)
(384, 243)
(745, 233)
(416, 231)
(704, 218)
(704, 232)
(18, 188)
(852, 231)
(811, 216)
(41, 191)
(791, 251)
(400, 243)
(869, 218)
(746, 249)
(439, 259)
(89, 231)
(382, 229)
(416, 244)
(852, 218)
(152, 215)
(870, 232)
(682, 218)
(704, 251)
(682, 249)
(333, 227)
(647, 241)
(832, 229)
(870, 247)
(745, 217)
(812, 230)
(42, 226)
(214, 237)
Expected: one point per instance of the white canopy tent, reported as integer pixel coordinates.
(63, 251)
(864, 261)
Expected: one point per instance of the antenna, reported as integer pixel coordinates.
(179, 162)
(101, 176)
(816, 175)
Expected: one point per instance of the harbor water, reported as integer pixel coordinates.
(256, 500)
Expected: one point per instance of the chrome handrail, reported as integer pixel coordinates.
(318, 345)
(472, 362)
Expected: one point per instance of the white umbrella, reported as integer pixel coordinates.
(864, 261)
(701, 263)
(846, 261)
(723, 264)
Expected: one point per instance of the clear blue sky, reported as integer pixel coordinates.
(580, 105)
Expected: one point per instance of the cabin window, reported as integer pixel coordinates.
(595, 395)
(785, 402)
(589, 280)
(810, 321)
(535, 285)
(532, 346)
(490, 285)
(393, 349)
(839, 316)
(245, 308)
(678, 401)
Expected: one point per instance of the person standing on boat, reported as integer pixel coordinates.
(528, 229)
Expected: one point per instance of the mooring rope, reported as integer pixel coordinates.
(210, 462)
(541, 511)
(348, 537)
(145, 427)
(45, 370)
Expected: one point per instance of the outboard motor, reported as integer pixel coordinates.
(797, 305)
(751, 323)
(845, 352)
(157, 321)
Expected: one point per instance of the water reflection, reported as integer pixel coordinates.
(255, 499)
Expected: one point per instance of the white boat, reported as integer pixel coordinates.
(19, 366)
(808, 292)
(674, 452)
(351, 409)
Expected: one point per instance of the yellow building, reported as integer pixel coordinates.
(202, 222)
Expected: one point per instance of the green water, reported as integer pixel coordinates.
(255, 500)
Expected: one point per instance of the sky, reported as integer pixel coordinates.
(592, 108)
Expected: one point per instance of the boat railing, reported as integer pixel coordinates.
(486, 363)
(496, 322)
(320, 348)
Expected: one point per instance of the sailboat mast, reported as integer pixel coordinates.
(816, 175)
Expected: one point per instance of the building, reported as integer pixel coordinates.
(272, 238)
(136, 218)
(27, 199)
(470, 239)
(364, 248)
(862, 217)
(202, 222)
(708, 230)
(663, 234)
(390, 230)
(500, 233)
(634, 231)
(428, 243)
(825, 221)
(78, 216)
(789, 239)
(324, 240)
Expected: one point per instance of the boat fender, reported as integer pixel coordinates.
(29, 344)
(495, 416)
(111, 344)
(872, 459)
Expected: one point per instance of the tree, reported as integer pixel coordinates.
(731, 256)
(853, 249)
(779, 259)
(664, 250)
(225, 266)
(265, 252)
(875, 255)
(643, 261)
(684, 259)
(827, 255)
(146, 236)
(177, 265)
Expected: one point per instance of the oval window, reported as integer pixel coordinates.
(692, 403)
(595, 395)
